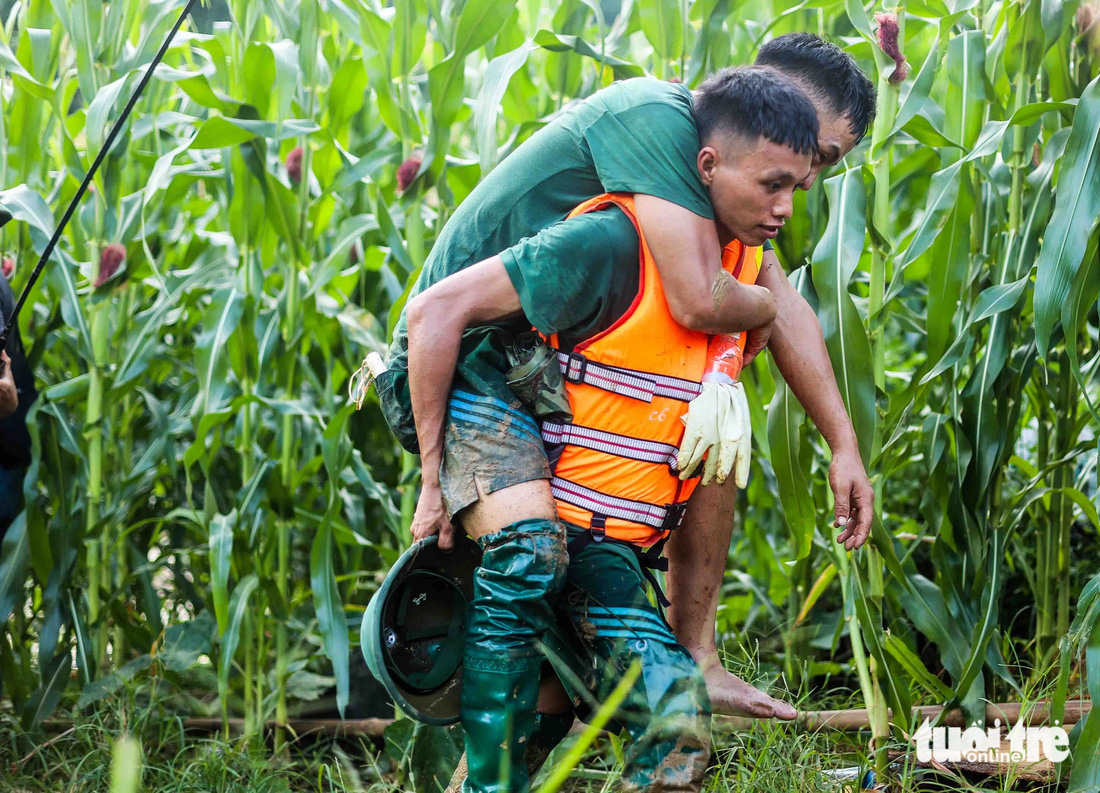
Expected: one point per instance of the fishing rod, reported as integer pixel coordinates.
(9, 322)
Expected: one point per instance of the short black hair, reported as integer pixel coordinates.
(754, 102)
(829, 73)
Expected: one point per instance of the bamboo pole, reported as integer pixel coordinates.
(1009, 713)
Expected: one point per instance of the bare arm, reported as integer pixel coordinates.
(436, 319)
(701, 295)
(798, 346)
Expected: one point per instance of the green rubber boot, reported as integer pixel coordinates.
(498, 716)
(522, 567)
(550, 730)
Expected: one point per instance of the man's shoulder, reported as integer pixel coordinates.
(627, 94)
(620, 233)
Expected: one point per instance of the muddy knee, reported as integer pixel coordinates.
(530, 554)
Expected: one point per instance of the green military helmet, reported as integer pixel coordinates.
(413, 631)
(535, 377)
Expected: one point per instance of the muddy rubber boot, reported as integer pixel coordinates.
(498, 716)
(549, 730)
(522, 567)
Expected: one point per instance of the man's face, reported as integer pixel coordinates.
(752, 184)
(834, 140)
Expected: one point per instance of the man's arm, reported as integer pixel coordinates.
(798, 346)
(701, 295)
(436, 319)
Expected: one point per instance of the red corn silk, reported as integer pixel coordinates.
(887, 35)
(7, 266)
(294, 164)
(1088, 26)
(1086, 17)
(109, 261)
(406, 172)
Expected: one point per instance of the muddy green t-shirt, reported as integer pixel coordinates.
(594, 261)
(635, 136)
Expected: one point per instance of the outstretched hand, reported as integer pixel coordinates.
(853, 498)
(431, 517)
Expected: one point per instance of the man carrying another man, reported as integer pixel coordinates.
(485, 460)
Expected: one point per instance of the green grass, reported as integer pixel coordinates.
(143, 720)
(78, 759)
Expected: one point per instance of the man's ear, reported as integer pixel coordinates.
(706, 162)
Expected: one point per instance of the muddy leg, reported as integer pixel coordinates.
(523, 566)
(697, 553)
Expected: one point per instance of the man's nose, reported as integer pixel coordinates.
(784, 208)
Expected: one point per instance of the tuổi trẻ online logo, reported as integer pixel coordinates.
(975, 745)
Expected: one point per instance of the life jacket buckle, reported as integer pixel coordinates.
(674, 513)
(581, 364)
(598, 528)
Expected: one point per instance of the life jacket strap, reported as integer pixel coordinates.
(649, 560)
(595, 533)
(631, 383)
(664, 517)
(557, 432)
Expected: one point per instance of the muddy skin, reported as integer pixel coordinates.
(720, 288)
(683, 767)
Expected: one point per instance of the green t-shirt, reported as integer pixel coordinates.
(593, 260)
(635, 136)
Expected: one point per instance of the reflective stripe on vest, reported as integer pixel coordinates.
(628, 388)
(554, 432)
(628, 382)
(663, 517)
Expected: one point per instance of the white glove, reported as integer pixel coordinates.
(717, 421)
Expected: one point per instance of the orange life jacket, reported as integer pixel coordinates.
(628, 387)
